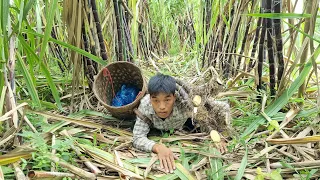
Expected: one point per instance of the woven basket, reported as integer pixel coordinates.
(121, 73)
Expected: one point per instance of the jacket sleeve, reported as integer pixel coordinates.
(140, 139)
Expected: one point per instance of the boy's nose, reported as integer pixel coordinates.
(162, 106)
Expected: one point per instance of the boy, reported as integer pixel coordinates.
(165, 113)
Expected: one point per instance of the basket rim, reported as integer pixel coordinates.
(139, 96)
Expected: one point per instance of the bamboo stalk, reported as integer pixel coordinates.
(45, 174)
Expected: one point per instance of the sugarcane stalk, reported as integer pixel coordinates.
(128, 40)
(279, 45)
(78, 171)
(314, 63)
(304, 55)
(45, 174)
(272, 69)
(91, 43)
(261, 54)
(88, 64)
(119, 30)
(56, 50)
(18, 172)
(255, 43)
(92, 167)
(99, 30)
(244, 40)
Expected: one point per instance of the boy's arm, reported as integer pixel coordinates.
(140, 132)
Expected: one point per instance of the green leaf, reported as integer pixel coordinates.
(260, 174)
(168, 177)
(276, 174)
(183, 173)
(216, 170)
(243, 166)
(311, 173)
(47, 32)
(30, 85)
(286, 165)
(45, 70)
(76, 49)
(21, 14)
(300, 31)
(27, 8)
(275, 124)
(279, 15)
(4, 23)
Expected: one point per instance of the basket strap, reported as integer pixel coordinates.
(142, 117)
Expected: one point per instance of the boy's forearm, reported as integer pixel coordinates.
(143, 143)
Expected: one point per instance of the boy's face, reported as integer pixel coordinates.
(162, 104)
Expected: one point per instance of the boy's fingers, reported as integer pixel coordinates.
(165, 164)
(175, 157)
(172, 162)
(170, 165)
(161, 163)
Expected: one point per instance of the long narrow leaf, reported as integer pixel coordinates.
(76, 49)
(280, 15)
(50, 16)
(183, 173)
(45, 70)
(30, 85)
(243, 166)
(14, 157)
(4, 22)
(300, 31)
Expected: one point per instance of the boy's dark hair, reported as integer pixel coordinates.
(161, 83)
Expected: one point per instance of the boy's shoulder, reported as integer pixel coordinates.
(145, 106)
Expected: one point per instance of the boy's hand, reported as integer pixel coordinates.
(166, 157)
